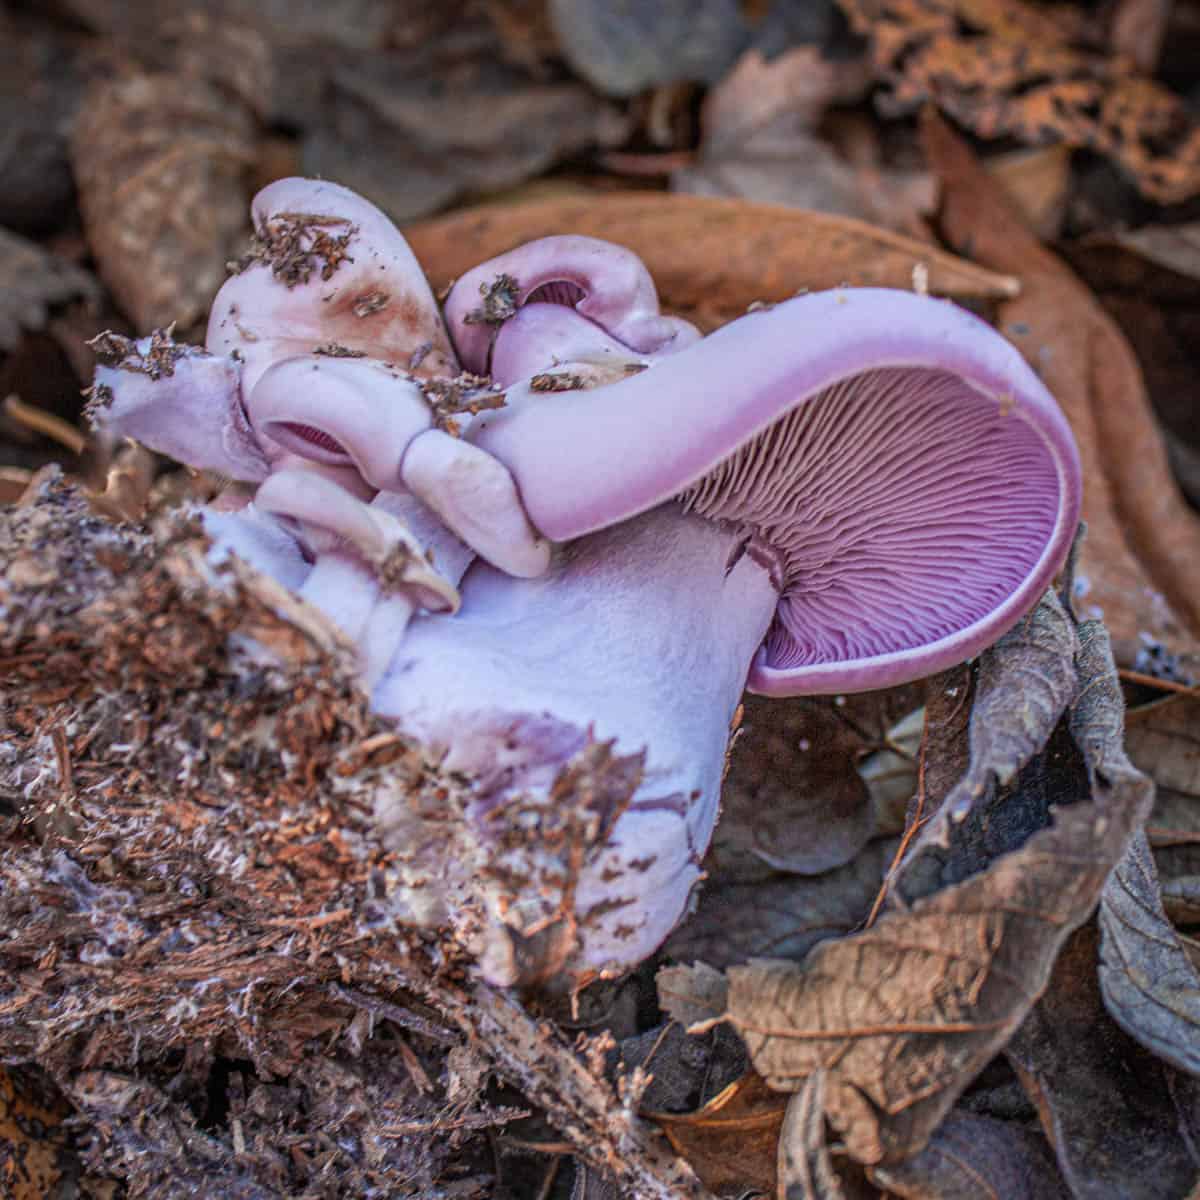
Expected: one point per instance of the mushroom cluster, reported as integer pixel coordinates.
(846, 491)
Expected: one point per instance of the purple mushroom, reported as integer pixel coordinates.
(848, 491)
(320, 351)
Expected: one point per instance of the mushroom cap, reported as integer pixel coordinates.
(601, 281)
(329, 517)
(331, 269)
(915, 483)
(339, 411)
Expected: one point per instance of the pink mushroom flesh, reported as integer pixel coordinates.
(331, 271)
(852, 490)
(606, 284)
(906, 474)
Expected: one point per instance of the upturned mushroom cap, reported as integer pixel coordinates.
(330, 269)
(340, 411)
(602, 282)
(912, 484)
(180, 401)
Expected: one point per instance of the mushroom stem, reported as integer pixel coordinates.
(643, 633)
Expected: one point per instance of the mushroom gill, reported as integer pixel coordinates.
(905, 505)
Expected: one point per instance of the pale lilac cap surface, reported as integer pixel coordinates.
(915, 482)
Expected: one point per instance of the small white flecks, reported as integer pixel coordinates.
(840, 701)
(952, 692)
(1096, 612)
(920, 279)
(1081, 586)
(805, 744)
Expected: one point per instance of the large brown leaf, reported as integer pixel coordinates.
(162, 163)
(1140, 565)
(905, 1014)
(710, 256)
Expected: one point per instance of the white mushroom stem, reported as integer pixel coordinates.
(388, 622)
(364, 557)
(643, 633)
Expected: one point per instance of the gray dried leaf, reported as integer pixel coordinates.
(1150, 987)
(760, 142)
(31, 281)
(904, 1015)
(806, 1170)
(691, 995)
(162, 166)
(1025, 683)
(793, 801)
(783, 916)
(623, 49)
(973, 1157)
(1122, 1122)
(502, 128)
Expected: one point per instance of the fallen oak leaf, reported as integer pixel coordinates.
(708, 255)
(1140, 565)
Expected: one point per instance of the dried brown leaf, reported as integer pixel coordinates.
(1140, 564)
(732, 1141)
(1006, 68)
(974, 1157)
(1150, 986)
(692, 995)
(793, 800)
(782, 916)
(162, 165)
(904, 1015)
(32, 280)
(1175, 247)
(712, 257)
(1122, 1122)
(759, 143)
(806, 1169)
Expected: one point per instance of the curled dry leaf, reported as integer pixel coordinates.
(1006, 68)
(806, 1169)
(162, 164)
(792, 801)
(730, 1142)
(905, 1014)
(974, 1157)
(1140, 564)
(1150, 986)
(32, 280)
(1122, 1122)
(709, 257)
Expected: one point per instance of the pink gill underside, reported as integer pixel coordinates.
(906, 503)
